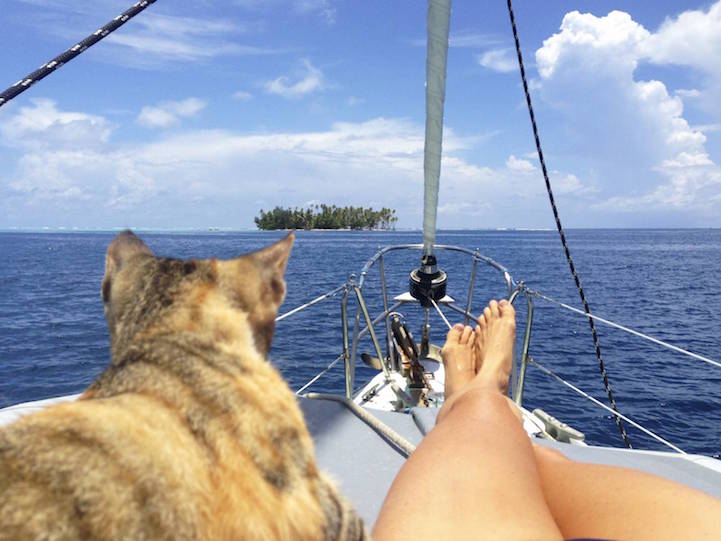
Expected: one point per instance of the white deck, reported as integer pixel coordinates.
(364, 464)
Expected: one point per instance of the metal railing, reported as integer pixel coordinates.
(514, 289)
(355, 285)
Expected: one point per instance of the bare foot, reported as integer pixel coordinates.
(495, 334)
(491, 358)
(457, 354)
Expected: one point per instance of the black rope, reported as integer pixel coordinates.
(587, 309)
(46, 69)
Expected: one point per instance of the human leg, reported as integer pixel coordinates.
(608, 502)
(475, 475)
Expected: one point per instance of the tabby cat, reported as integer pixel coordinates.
(190, 433)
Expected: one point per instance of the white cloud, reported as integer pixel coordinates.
(470, 39)
(688, 93)
(311, 80)
(691, 39)
(159, 39)
(519, 164)
(152, 40)
(502, 60)
(242, 95)
(169, 113)
(59, 129)
(324, 8)
(631, 133)
(611, 42)
(213, 177)
(707, 128)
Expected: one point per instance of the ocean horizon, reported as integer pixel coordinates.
(213, 229)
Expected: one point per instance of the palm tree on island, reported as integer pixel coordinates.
(327, 217)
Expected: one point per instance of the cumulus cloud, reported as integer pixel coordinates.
(310, 80)
(640, 147)
(170, 112)
(59, 129)
(519, 164)
(502, 60)
(197, 178)
(691, 39)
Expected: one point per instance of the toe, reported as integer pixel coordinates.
(493, 306)
(487, 313)
(454, 334)
(506, 309)
(466, 335)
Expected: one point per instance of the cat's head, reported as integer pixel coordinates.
(222, 300)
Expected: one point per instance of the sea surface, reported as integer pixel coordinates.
(665, 283)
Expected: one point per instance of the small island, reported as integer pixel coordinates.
(327, 217)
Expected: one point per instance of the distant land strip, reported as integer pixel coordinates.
(327, 217)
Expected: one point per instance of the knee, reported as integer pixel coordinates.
(476, 402)
(549, 454)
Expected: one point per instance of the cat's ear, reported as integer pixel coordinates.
(275, 257)
(124, 247)
(255, 283)
(271, 262)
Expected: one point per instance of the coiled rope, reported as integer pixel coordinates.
(576, 279)
(46, 69)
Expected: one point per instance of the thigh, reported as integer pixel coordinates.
(473, 477)
(591, 500)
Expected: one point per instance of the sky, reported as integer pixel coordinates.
(199, 114)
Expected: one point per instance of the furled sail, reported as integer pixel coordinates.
(439, 16)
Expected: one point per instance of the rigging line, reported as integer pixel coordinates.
(440, 313)
(561, 233)
(46, 69)
(320, 374)
(549, 372)
(310, 303)
(627, 329)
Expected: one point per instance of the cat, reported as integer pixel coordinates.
(189, 433)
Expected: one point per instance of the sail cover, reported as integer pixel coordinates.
(439, 16)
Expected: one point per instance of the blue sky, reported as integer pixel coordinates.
(198, 114)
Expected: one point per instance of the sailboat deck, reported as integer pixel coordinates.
(364, 464)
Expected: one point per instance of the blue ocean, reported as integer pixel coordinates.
(664, 283)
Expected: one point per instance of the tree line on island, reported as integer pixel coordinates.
(327, 217)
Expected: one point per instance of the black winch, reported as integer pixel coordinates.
(428, 282)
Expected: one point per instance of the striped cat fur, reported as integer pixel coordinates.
(190, 433)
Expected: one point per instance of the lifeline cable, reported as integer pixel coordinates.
(587, 309)
(46, 69)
